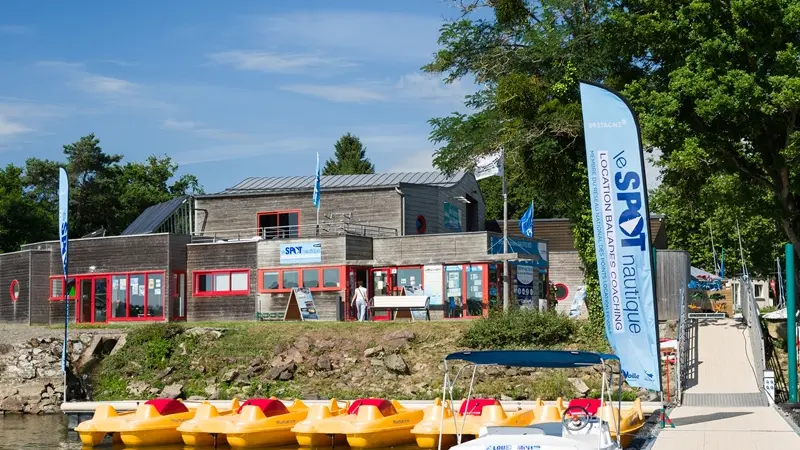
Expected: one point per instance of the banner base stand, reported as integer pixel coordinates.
(664, 419)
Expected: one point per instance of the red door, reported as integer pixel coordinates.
(381, 284)
(354, 275)
(93, 299)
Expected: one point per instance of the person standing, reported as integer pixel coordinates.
(359, 301)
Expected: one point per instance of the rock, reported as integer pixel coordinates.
(302, 345)
(279, 373)
(27, 372)
(163, 374)
(208, 333)
(34, 342)
(7, 391)
(138, 388)
(257, 361)
(31, 408)
(374, 351)
(196, 398)
(12, 404)
(505, 398)
(37, 351)
(230, 375)
(325, 345)
(172, 391)
(375, 362)
(212, 391)
(293, 355)
(396, 364)
(254, 370)
(407, 335)
(182, 346)
(286, 375)
(85, 338)
(324, 363)
(121, 340)
(580, 387)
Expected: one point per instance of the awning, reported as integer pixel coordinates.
(557, 359)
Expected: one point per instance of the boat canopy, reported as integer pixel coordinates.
(560, 359)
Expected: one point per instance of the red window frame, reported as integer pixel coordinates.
(484, 290)
(320, 276)
(196, 274)
(128, 275)
(60, 279)
(277, 213)
(14, 297)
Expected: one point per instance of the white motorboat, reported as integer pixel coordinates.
(579, 429)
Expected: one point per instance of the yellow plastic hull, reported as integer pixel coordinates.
(317, 440)
(261, 439)
(197, 439)
(145, 438)
(432, 440)
(378, 439)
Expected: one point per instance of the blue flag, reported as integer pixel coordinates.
(63, 228)
(618, 195)
(526, 222)
(316, 185)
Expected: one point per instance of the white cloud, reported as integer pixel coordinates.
(338, 93)
(412, 87)
(415, 161)
(101, 84)
(275, 62)
(266, 146)
(15, 30)
(201, 130)
(9, 128)
(385, 35)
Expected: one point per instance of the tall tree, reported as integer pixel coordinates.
(22, 219)
(527, 59)
(721, 91)
(349, 158)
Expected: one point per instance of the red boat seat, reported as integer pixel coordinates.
(474, 406)
(167, 406)
(269, 406)
(384, 406)
(591, 405)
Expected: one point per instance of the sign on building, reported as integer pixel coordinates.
(452, 217)
(301, 253)
(432, 281)
(301, 305)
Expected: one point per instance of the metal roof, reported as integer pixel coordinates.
(257, 185)
(154, 216)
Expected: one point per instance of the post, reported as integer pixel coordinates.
(791, 323)
(506, 287)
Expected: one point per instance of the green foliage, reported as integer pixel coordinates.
(104, 193)
(719, 95)
(111, 387)
(349, 158)
(627, 396)
(520, 328)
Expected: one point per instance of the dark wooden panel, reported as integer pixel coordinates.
(57, 312)
(118, 254)
(673, 269)
(376, 207)
(177, 262)
(358, 248)
(240, 255)
(40, 288)
(15, 266)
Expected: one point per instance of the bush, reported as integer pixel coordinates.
(520, 328)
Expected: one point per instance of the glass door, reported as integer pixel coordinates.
(381, 285)
(93, 299)
(85, 299)
(100, 299)
(453, 292)
(475, 295)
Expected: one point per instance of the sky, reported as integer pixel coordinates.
(228, 90)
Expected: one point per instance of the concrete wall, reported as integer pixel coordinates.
(451, 248)
(566, 268)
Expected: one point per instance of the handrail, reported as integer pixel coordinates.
(294, 231)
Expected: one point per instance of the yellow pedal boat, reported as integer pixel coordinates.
(472, 415)
(193, 434)
(631, 421)
(260, 422)
(306, 431)
(153, 423)
(543, 413)
(371, 423)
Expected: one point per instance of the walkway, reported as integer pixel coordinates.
(722, 406)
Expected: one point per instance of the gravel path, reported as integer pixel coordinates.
(14, 333)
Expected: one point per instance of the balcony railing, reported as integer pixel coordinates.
(294, 231)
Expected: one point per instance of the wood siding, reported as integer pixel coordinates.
(148, 252)
(448, 248)
(227, 255)
(57, 312)
(176, 258)
(358, 248)
(673, 268)
(428, 201)
(39, 287)
(373, 207)
(15, 266)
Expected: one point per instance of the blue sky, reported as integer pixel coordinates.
(227, 89)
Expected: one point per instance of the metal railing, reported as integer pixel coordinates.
(751, 316)
(293, 232)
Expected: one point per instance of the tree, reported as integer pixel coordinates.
(720, 93)
(349, 158)
(22, 219)
(528, 60)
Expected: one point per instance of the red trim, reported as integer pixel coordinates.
(464, 293)
(175, 290)
(60, 279)
(566, 292)
(281, 211)
(214, 293)
(320, 277)
(14, 297)
(109, 295)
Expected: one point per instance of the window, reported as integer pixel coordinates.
(279, 224)
(331, 277)
(119, 291)
(14, 290)
(57, 288)
(409, 276)
(758, 289)
(314, 278)
(290, 279)
(136, 288)
(311, 278)
(222, 282)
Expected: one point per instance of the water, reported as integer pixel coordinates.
(51, 432)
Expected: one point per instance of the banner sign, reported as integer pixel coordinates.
(305, 301)
(489, 166)
(63, 237)
(525, 248)
(301, 253)
(577, 302)
(433, 280)
(452, 217)
(618, 195)
(527, 294)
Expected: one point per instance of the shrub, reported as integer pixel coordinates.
(520, 328)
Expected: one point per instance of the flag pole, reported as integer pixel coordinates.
(506, 287)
